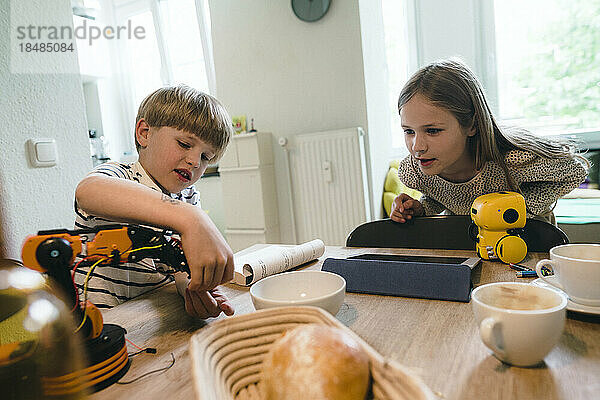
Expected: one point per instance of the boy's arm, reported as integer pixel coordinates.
(209, 257)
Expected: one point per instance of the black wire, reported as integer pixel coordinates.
(136, 353)
(150, 372)
(149, 350)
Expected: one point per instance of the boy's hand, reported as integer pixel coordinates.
(204, 303)
(208, 255)
(405, 207)
(208, 303)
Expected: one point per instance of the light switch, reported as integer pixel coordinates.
(42, 152)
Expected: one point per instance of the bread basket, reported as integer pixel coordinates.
(227, 356)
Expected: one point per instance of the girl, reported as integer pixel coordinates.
(458, 152)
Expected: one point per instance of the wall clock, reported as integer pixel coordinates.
(310, 10)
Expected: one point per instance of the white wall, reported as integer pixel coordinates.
(292, 77)
(39, 105)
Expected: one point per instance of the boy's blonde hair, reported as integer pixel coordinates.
(187, 109)
(450, 84)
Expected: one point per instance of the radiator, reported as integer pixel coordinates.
(330, 185)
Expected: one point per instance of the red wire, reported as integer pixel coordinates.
(73, 280)
(134, 345)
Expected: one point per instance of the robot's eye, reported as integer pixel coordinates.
(510, 216)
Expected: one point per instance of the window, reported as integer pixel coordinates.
(117, 74)
(172, 51)
(396, 56)
(143, 60)
(539, 60)
(548, 67)
(182, 37)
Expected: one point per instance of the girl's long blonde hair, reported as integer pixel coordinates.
(451, 85)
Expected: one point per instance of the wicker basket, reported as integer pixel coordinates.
(227, 356)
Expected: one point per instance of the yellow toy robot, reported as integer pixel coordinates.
(499, 219)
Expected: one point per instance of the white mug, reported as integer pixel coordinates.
(576, 270)
(519, 322)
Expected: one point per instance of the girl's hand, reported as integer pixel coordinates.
(405, 207)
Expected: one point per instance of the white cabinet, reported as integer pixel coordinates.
(249, 192)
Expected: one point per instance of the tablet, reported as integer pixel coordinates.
(428, 277)
(471, 262)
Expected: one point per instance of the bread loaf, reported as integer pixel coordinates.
(315, 362)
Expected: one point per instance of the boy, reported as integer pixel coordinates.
(179, 131)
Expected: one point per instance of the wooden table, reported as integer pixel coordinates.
(438, 339)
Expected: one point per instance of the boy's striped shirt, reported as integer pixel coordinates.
(111, 285)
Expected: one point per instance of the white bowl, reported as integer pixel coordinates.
(300, 288)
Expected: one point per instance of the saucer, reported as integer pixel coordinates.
(571, 305)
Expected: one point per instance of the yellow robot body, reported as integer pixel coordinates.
(499, 218)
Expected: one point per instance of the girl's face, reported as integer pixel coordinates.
(174, 159)
(436, 140)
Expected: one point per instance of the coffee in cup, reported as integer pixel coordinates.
(576, 270)
(519, 322)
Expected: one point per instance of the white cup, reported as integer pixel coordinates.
(576, 270)
(519, 322)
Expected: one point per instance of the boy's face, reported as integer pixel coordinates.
(174, 159)
(435, 138)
